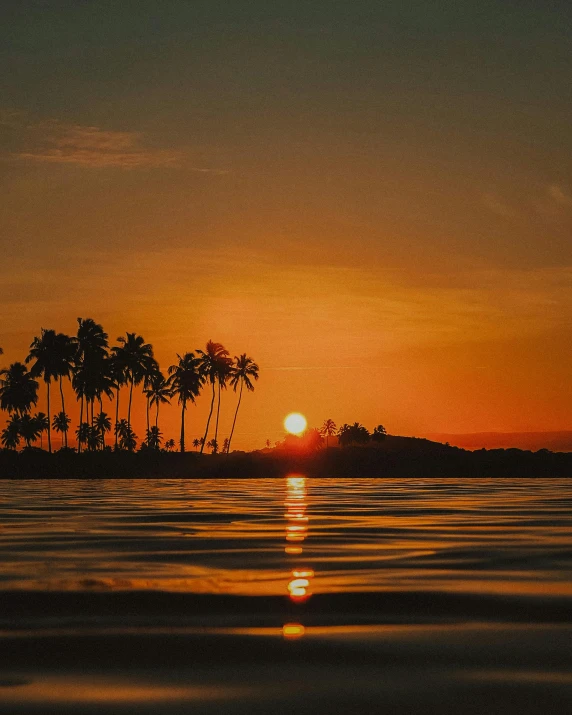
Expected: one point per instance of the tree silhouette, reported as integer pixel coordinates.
(379, 433)
(82, 434)
(215, 365)
(213, 444)
(29, 428)
(185, 381)
(328, 429)
(137, 357)
(117, 374)
(152, 373)
(102, 424)
(170, 445)
(196, 443)
(89, 365)
(61, 424)
(352, 434)
(43, 424)
(53, 355)
(158, 393)
(243, 370)
(154, 437)
(11, 433)
(127, 438)
(18, 389)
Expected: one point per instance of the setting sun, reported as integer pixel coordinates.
(295, 423)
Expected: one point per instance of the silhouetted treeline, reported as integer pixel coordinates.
(400, 457)
(96, 370)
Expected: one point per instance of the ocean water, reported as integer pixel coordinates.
(286, 595)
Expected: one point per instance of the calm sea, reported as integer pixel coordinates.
(286, 596)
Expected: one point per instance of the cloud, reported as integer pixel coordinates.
(556, 193)
(93, 147)
(10, 118)
(499, 207)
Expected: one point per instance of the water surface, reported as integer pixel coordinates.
(280, 595)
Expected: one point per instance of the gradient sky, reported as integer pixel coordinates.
(372, 199)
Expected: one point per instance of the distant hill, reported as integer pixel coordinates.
(555, 441)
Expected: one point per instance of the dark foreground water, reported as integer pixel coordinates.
(286, 596)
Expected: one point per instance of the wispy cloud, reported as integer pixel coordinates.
(92, 147)
(95, 147)
(499, 207)
(560, 196)
(10, 118)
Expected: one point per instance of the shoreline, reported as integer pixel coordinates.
(396, 457)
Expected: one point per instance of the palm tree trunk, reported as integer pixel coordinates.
(208, 422)
(217, 415)
(235, 414)
(129, 408)
(183, 426)
(49, 423)
(147, 417)
(80, 422)
(103, 430)
(157, 416)
(116, 417)
(64, 411)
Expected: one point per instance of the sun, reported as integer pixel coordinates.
(295, 423)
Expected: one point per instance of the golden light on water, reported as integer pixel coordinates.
(292, 631)
(296, 531)
(295, 423)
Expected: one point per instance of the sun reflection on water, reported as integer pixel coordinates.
(296, 532)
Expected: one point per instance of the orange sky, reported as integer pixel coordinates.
(376, 207)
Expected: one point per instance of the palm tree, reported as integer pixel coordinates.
(243, 369)
(53, 354)
(127, 437)
(196, 443)
(352, 434)
(65, 349)
(89, 360)
(185, 381)
(43, 351)
(11, 433)
(118, 376)
(328, 429)
(158, 393)
(170, 445)
(61, 423)
(215, 365)
(93, 438)
(102, 424)
(154, 437)
(137, 357)
(18, 389)
(152, 373)
(29, 428)
(43, 424)
(213, 444)
(82, 434)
